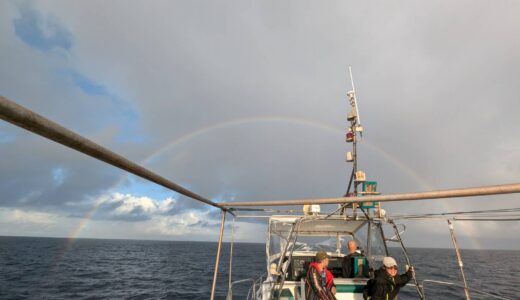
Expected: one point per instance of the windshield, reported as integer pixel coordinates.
(279, 237)
(376, 243)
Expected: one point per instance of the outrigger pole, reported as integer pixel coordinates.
(217, 259)
(441, 194)
(20, 116)
(459, 258)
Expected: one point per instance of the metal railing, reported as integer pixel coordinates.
(460, 286)
(252, 292)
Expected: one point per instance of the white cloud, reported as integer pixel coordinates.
(130, 207)
(19, 216)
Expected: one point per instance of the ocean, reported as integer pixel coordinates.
(54, 268)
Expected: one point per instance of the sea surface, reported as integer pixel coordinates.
(53, 268)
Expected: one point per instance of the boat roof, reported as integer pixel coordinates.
(316, 225)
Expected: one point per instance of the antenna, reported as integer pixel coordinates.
(354, 95)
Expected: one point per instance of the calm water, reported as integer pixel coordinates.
(48, 268)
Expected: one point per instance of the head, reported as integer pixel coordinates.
(390, 266)
(352, 246)
(322, 258)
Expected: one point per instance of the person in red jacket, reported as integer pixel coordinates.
(319, 280)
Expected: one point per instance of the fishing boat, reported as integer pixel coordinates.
(294, 242)
(294, 236)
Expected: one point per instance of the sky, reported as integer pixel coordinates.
(246, 100)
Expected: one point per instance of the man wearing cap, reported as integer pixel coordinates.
(320, 282)
(386, 283)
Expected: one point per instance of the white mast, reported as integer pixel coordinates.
(354, 96)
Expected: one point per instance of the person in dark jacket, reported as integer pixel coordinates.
(319, 280)
(354, 264)
(386, 282)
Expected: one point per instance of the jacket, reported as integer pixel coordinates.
(316, 288)
(385, 287)
(348, 266)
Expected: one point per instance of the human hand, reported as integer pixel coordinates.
(411, 270)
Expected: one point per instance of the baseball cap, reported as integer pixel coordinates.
(389, 262)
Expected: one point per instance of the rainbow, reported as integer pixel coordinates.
(238, 122)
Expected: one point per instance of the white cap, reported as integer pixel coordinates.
(389, 262)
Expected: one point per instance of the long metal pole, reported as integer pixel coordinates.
(230, 273)
(408, 261)
(459, 258)
(354, 167)
(25, 118)
(217, 259)
(464, 192)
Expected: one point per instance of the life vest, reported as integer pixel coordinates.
(329, 278)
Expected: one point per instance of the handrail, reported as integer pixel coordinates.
(230, 292)
(461, 286)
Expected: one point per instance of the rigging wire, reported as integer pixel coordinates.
(505, 214)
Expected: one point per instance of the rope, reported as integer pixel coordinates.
(505, 214)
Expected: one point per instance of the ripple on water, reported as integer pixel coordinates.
(39, 268)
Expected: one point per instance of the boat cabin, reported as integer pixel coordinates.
(293, 242)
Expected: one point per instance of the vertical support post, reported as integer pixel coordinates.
(302, 289)
(459, 258)
(217, 259)
(384, 238)
(230, 273)
(369, 239)
(338, 244)
(354, 168)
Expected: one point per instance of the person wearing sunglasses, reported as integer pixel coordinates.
(386, 282)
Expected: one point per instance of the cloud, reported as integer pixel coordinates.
(18, 216)
(131, 208)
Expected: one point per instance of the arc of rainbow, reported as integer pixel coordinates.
(204, 130)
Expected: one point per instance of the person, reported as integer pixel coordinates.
(386, 282)
(354, 264)
(319, 280)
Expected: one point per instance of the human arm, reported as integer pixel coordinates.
(403, 279)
